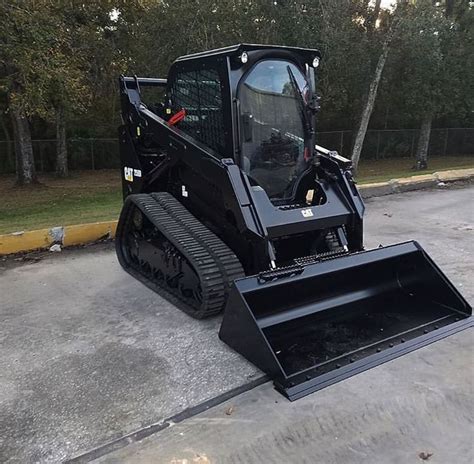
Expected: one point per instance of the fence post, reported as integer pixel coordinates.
(378, 146)
(342, 142)
(40, 149)
(9, 165)
(445, 142)
(92, 154)
(412, 142)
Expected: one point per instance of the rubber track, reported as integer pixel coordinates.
(215, 264)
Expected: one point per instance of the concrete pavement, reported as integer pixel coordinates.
(420, 403)
(90, 355)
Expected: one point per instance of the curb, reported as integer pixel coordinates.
(407, 184)
(81, 234)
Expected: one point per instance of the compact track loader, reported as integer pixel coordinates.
(231, 205)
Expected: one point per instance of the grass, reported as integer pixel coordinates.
(92, 196)
(87, 196)
(383, 170)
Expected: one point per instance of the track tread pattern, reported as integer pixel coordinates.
(215, 264)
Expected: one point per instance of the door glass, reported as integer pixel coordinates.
(272, 125)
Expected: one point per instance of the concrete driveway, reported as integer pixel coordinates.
(89, 356)
(417, 406)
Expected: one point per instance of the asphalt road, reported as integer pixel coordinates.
(90, 355)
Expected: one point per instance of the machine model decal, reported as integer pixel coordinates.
(130, 172)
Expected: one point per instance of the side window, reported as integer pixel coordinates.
(199, 93)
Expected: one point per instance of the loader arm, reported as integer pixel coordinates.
(181, 149)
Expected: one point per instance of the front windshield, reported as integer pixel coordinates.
(272, 126)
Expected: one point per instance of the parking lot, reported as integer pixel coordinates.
(89, 355)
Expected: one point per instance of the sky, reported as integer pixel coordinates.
(386, 3)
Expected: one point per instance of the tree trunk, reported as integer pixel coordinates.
(369, 105)
(449, 8)
(61, 147)
(25, 163)
(423, 143)
(372, 18)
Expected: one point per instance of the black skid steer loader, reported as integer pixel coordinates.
(231, 205)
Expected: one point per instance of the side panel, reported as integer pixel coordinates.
(132, 174)
(212, 189)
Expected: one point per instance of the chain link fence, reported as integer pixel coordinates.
(82, 154)
(379, 144)
(401, 143)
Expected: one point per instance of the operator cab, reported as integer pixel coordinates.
(255, 104)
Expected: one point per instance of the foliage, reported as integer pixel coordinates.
(71, 52)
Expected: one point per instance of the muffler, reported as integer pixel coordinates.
(313, 325)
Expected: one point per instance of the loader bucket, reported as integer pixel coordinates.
(309, 327)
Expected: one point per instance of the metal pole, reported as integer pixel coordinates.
(378, 145)
(10, 159)
(41, 158)
(445, 142)
(92, 154)
(342, 142)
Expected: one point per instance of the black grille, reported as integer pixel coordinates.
(199, 93)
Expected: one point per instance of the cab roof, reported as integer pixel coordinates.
(236, 50)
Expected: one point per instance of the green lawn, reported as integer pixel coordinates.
(91, 196)
(88, 196)
(383, 170)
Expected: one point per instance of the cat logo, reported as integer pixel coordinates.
(307, 212)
